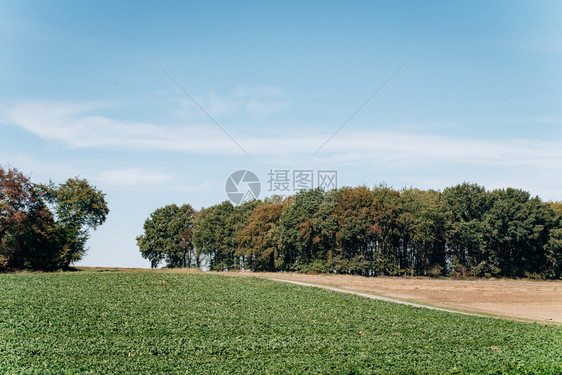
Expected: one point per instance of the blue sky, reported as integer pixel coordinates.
(479, 100)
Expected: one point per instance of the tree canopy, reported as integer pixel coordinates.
(168, 237)
(214, 234)
(46, 226)
(464, 230)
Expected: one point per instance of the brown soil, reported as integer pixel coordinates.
(523, 299)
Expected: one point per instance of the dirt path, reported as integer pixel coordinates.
(380, 298)
(519, 299)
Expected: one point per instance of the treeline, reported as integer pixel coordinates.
(464, 230)
(45, 226)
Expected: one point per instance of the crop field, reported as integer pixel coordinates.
(156, 322)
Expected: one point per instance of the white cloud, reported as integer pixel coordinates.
(256, 103)
(77, 126)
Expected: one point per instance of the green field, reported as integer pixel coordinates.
(155, 322)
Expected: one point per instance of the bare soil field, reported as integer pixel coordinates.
(520, 299)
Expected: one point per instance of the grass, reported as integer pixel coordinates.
(157, 322)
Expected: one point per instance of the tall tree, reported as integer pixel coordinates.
(517, 228)
(324, 237)
(355, 213)
(259, 241)
(387, 238)
(422, 224)
(297, 229)
(168, 237)
(78, 207)
(215, 232)
(29, 237)
(464, 230)
(466, 206)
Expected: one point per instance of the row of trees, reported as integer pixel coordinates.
(463, 230)
(45, 226)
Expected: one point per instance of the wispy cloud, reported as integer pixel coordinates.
(254, 103)
(78, 126)
(74, 126)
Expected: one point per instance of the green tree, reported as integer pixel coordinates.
(553, 247)
(31, 235)
(215, 232)
(355, 214)
(78, 207)
(325, 256)
(298, 231)
(422, 224)
(518, 228)
(168, 237)
(466, 205)
(465, 230)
